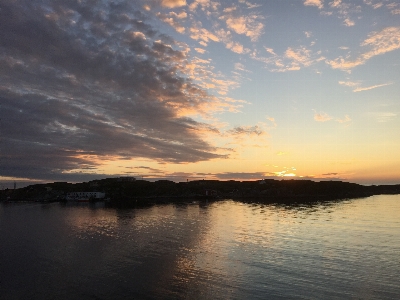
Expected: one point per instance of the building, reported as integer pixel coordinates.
(84, 196)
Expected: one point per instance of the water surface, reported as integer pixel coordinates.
(220, 250)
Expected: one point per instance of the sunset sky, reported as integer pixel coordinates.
(200, 89)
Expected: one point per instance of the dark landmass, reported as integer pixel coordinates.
(127, 191)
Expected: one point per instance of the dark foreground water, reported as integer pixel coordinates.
(222, 250)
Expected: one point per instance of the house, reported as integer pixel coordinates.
(84, 196)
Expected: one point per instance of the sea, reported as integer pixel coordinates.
(348, 249)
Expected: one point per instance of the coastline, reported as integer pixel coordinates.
(122, 193)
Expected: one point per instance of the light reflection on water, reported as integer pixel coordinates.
(221, 250)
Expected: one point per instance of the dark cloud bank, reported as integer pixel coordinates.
(81, 81)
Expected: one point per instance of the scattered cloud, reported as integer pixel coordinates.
(246, 25)
(383, 117)
(181, 15)
(173, 3)
(246, 130)
(377, 5)
(240, 67)
(202, 34)
(349, 83)
(272, 120)
(172, 22)
(377, 43)
(204, 5)
(346, 11)
(237, 47)
(346, 119)
(335, 3)
(317, 3)
(321, 116)
(230, 9)
(358, 88)
(200, 50)
(293, 59)
(300, 56)
(203, 43)
(251, 5)
(324, 117)
(270, 51)
(348, 22)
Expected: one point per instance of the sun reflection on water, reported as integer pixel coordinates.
(224, 249)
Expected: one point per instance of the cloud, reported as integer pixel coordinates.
(246, 25)
(226, 37)
(360, 89)
(79, 90)
(172, 22)
(229, 9)
(345, 11)
(349, 83)
(392, 5)
(198, 33)
(200, 50)
(348, 22)
(241, 175)
(377, 5)
(181, 15)
(246, 130)
(383, 117)
(346, 119)
(299, 56)
(272, 120)
(205, 5)
(335, 3)
(317, 3)
(237, 47)
(321, 116)
(293, 59)
(324, 117)
(394, 8)
(240, 67)
(377, 43)
(251, 5)
(270, 50)
(173, 3)
(382, 42)
(148, 169)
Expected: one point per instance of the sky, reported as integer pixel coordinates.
(200, 89)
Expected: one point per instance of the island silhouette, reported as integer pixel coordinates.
(128, 191)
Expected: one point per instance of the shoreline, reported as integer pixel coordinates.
(117, 192)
